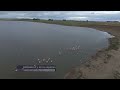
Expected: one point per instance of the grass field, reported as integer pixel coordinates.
(69, 22)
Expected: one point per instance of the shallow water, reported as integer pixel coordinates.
(24, 43)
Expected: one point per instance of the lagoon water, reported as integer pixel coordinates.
(30, 43)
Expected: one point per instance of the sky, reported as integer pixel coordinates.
(69, 15)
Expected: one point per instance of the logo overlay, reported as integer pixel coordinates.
(36, 68)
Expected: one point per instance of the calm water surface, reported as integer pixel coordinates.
(27, 43)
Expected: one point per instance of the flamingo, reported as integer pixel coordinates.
(43, 59)
(39, 61)
(59, 53)
(48, 59)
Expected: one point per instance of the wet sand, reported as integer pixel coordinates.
(105, 64)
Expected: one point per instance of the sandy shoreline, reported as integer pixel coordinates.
(105, 64)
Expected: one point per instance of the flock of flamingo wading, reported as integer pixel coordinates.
(60, 52)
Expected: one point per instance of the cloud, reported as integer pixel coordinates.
(77, 18)
(74, 15)
(106, 12)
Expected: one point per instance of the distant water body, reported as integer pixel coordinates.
(30, 43)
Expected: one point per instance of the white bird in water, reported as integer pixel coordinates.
(39, 61)
(46, 61)
(59, 53)
(34, 65)
(48, 58)
(43, 59)
(73, 48)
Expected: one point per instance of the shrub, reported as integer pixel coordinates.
(50, 19)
